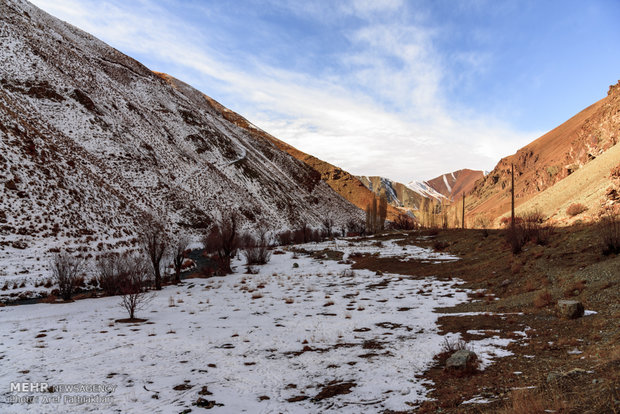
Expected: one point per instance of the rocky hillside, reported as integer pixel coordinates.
(91, 139)
(397, 194)
(551, 158)
(454, 184)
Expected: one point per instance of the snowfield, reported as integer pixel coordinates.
(269, 342)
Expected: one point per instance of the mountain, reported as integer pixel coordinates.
(552, 158)
(91, 140)
(454, 184)
(408, 197)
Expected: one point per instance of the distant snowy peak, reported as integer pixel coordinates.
(423, 188)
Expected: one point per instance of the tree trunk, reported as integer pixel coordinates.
(463, 222)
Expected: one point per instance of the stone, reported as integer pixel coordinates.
(556, 376)
(461, 359)
(570, 309)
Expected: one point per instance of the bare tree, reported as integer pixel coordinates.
(178, 255)
(154, 242)
(328, 227)
(66, 272)
(376, 214)
(223, 239)
(382, 213)
(134, 281)
(371, 216)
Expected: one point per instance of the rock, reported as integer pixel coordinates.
(556, 376)
(570, 309)
(461, 359)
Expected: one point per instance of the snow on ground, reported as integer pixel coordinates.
(382, 248)
(255, 341)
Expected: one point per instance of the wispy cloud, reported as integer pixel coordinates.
(379, 108)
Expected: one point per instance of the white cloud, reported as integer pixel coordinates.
(383, 113)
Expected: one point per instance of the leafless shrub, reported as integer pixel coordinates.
(256, 249)
(179, 253)
(285, 238)
(404, 222)
(515, 236)
(611, 232)
(452, 345)
(575, 209)
(108, 273)
(66, 272)
(134, 282)
(223, 239)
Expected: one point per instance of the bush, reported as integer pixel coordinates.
(611, 233)
(108, 269)
(575, 209)
(404, 222)
(256, 250)
(515, 236)
(285, 238)
(66, 272)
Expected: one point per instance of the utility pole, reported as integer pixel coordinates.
(512, 191)
(463, 221)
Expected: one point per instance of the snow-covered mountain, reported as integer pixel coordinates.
(90, 139)
(407, 196)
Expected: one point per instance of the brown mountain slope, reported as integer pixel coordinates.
(344, 183)
(550, 158)
(596, 185)
(454, 184)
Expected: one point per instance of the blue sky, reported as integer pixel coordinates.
(403, 89)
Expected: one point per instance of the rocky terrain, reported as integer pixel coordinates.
(91, 141)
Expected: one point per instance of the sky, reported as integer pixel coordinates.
(404, 89)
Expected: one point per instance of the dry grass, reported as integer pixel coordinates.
(576, 209)
(543, 299)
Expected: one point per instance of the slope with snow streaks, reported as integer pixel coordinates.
(454, 184)
(91, 139)
(397, 194)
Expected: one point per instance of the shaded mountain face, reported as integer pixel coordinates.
(90, 139)
(454, 184)
(551, 158)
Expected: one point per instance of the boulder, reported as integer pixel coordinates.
(461, 360)
(570, 309)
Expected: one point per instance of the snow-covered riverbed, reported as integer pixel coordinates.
(268, 342)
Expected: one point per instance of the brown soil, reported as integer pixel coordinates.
(570, 266)
(131, 320)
